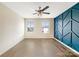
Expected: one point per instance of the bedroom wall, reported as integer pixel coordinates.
(67, 27)
(37, 33)
(11, 28)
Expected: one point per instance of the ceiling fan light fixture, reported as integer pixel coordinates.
(40, 11)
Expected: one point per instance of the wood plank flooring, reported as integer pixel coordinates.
(38, 48)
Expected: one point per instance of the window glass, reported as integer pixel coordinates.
(45, 26)
(30, 25)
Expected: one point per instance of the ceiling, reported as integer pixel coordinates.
(26, 9)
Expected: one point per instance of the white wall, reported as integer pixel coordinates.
(37, 29)
(11, 28)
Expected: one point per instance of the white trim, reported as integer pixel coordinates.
(74, 51)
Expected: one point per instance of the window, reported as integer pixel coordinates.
(45, 26)
(30, 25)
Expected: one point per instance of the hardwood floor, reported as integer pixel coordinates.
(38, 48)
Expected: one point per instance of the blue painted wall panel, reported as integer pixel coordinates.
(75, 44)
(75, 14)
(67, 40)
(67, 27)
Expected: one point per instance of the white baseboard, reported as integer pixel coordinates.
(69, 48)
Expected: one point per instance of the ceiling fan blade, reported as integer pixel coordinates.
(34, 13)
(45, 8)
(46, 13)
(39, 7)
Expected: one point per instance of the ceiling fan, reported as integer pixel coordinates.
(40, 11)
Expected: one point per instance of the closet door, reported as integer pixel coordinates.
(75, 28)
(67, 27)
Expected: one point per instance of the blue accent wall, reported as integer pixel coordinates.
(66, 27)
